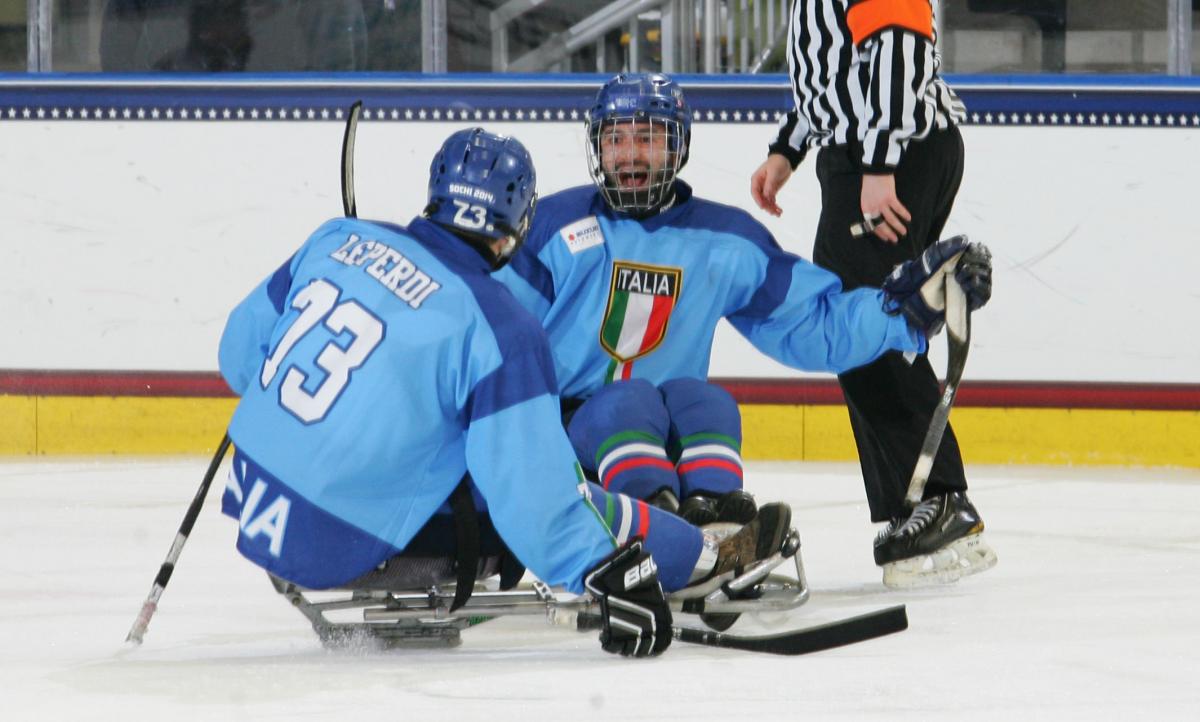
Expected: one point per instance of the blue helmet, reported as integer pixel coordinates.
(654, 104)
(485, 185)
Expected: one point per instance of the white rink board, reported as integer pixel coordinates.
(124, 245)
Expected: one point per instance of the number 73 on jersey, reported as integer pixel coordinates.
(320, 310)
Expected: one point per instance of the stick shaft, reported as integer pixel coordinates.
(138, 630)
(959, 346)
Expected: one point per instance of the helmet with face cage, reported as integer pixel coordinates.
(653, 103)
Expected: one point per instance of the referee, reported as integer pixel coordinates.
(868, 96)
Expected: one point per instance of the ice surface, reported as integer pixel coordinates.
(1090, 614)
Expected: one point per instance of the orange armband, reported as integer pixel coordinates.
(867, 17)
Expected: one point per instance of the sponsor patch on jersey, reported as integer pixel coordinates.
(582, 234)
(640, 301)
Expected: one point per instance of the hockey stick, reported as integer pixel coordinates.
(958, 336)
(348, 206)
(801, 641)
(138, 630)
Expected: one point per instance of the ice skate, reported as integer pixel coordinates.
(757, 540)
(746, 554)
(735, 507)
(941, 542)
(741, 579)
(666, 500)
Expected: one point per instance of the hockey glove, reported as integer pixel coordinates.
(917, 288)
(635, 617)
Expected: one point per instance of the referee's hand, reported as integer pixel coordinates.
(879, 201)
(767, 180)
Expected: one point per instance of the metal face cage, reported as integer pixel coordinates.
(634, 160)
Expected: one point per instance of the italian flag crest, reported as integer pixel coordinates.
(640, 301)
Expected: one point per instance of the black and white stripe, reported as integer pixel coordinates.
(879, 95)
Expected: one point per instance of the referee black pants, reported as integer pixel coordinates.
(890, 400)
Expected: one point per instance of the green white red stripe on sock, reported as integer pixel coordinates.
(633, 456)
(702, 464)
(631, 450)
(710, 451)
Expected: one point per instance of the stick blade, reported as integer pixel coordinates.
(349, 207)
(812, 639)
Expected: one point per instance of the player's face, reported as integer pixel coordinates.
(632, 153)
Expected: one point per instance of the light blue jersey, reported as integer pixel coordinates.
(622, 298)
(375, 368)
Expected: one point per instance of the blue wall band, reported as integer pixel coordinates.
(1066, 100)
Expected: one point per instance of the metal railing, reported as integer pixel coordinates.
(39, 36)
(1179, 33)
(676, 36)
(710, 36)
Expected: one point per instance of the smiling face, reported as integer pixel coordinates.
(635, 154)
(635, 161)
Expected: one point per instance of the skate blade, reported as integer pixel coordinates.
(964, 557)
(974, 555)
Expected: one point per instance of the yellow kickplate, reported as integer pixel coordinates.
(161, 425)
(1079, 436)
(130, 425)
(992, 435)
(18, 425)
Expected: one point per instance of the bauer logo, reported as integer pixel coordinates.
(583, 234)
(643, 572)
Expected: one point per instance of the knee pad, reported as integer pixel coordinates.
(631, 410)
(696, 406)
(706, 436)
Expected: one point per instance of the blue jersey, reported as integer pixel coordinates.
(375, 368)
(623, 298)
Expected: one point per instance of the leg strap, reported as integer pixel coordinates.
(466, 538)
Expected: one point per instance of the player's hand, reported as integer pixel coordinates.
(635, 617)
(974, 275)
(767, 180)
(917, 289)
(879, 201)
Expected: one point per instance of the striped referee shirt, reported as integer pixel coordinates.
(864, 71)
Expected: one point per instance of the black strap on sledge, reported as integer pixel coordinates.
(466, 542)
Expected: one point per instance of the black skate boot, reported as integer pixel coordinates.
(738, 507)
(941, 542)
(734, 507)
(666, 500)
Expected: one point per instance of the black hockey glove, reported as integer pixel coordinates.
(635, 617)
(916, 289)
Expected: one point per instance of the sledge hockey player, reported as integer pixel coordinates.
(381, 364)
(630, 276)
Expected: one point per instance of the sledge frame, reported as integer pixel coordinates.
(422, 617)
